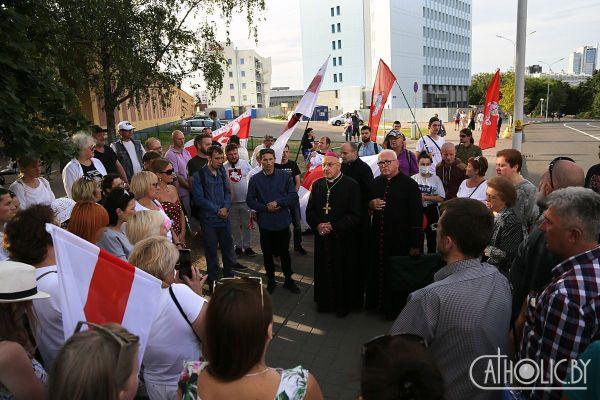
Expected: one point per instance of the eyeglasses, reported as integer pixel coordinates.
(122, 341)
(256, 279)
(384, 162)
(168, 172)
(553, 163)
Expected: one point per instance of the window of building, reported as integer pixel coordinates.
(339, 27)
(335, 78)
(336, 94)
(229, 61)
(245, 98)
(337, 10)
(340, 78)
(332, 14)
(241, 61)
(332, 28)
(340, 61)
(231, 74)
(232, 98)
(333, 44)
(334, 61)
(243, 73)
(243, 86)
(231, 86)
(339, 44)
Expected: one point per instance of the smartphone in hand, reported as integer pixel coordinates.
(184, 265)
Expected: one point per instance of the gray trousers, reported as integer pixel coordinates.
(239, 216)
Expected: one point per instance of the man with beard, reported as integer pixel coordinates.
(201, 142)
(464, 313)
(395, 230)
(531, 270)
(333, 213)
(367, 147)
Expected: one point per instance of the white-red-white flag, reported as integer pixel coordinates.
(98, 287)
(305, 107)
(239, 126)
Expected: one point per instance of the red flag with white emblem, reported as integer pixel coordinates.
(381, 90)
(489, 126)
(239, 126)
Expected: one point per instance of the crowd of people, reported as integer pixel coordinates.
(519, 272)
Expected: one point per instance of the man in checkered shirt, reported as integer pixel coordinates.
(565, 318)
(465, 312)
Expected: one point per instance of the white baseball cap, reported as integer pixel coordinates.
(125, 125)
(17, 283)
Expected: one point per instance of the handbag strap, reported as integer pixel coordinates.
(476, 187)
(183, 313)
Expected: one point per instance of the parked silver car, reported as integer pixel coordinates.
(339, 120)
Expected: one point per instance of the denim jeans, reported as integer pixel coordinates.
(240, 217)
(221, 236)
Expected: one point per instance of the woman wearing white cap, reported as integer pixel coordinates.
(84, 165)
(21, 376)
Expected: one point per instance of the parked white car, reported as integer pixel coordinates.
(340, 119)
(196, 125)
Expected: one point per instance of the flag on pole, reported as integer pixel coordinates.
(239, 126)
(305, 107)
(489, 125)
(381, 89)
(99, 287)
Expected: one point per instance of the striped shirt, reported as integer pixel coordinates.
(565, 318)
(463, 314)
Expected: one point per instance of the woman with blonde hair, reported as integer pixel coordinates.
(145, 188)
(145, 224)
(85, 189)
(100, 363)
(179, 320)
(88, 221)
(83, 164)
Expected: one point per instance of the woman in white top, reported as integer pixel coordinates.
(432, 143)
(348, 127)
(432, 193)
(145, 187)
(475, 185)
(30, 187)
(84, 164)
(174, 334)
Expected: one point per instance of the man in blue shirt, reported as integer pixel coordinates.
(271, 193)
(212, 197)
(366, 147)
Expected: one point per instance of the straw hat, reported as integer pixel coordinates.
(17, 283)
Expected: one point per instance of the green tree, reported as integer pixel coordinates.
(507, 92)
(37, 109)
(137, 50)
(479, 85)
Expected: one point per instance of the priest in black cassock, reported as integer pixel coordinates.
(333, 213)
(396, 227)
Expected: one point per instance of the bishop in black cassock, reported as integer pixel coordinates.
(396, 227)
(333, 213)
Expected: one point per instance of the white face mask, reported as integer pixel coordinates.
(423, 170)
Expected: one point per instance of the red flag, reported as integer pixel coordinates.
(490, 114)
(239, 126)
(381, 89)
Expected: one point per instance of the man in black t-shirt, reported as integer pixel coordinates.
(291, 167)
(105, 154)
(201, 142)
(592, 178)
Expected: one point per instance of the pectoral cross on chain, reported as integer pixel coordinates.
(327, 208)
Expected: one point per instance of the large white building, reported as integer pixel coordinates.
(246, 83)
(423, 41)
(583, 60)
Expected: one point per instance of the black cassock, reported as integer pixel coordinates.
(394, 230)
(337, 276)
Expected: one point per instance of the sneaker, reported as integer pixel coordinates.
(291, 286)
(239, 267)
(271, 285)
(238, 251)
(300, 250)
(249, 252)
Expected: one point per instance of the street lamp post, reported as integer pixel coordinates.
(542, 108)
(548, 89)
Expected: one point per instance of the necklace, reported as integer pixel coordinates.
(327, 208)
(259, 373)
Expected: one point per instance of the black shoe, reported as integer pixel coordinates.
(239, 267)
(238, 251)
(300, 250)
(291, 286)
(249, 252)
(271, 285)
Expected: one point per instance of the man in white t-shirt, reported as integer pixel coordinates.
(239, 214)
(29, 243)
(129, 151)
(432, 143)
(268, 141)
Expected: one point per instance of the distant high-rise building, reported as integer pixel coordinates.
(588, 59)
(533, 69)
(423, 41)
(574, 65)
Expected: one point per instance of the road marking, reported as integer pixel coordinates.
(593, 126)
(585, 133)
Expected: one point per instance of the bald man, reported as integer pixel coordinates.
(334, 215)
(531, 270)
(451, 170)
(178, 156)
